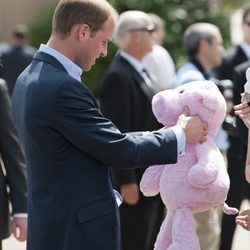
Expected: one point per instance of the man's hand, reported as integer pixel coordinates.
(194, 129)
(130, 193)
(19, 228)
(243, 219)
(243, 111)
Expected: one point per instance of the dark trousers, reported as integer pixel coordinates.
(239, 190)
(140, 224)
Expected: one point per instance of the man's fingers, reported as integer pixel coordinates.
(242, 222)
(204, 126)
(186, 110)
(241, 106)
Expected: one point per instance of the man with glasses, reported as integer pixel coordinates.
(159, 62)
(126, 95)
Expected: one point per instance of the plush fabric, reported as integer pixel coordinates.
(199, 180)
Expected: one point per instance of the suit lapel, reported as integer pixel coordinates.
(241, 56)
(53, 61)
(49, 59)
(148, 91)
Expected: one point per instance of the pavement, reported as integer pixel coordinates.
(241, 239)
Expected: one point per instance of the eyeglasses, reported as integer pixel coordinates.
(247, 23)
(150, 29)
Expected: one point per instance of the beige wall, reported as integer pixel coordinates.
(13, 12)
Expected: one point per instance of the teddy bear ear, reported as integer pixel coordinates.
(166, 107)
(158, 106)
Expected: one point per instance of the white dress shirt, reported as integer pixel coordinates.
(73, 70)
(160, 65)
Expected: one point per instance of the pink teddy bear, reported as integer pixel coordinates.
(199, 180)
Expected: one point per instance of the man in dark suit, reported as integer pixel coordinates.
(126, 87)
(17, 57)
(235, 153)
(241, 189)
(12, 174)
(239, 78)
(69, 144)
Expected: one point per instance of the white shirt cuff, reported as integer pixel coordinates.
(181, 139)
(118, 198)
(20, 215)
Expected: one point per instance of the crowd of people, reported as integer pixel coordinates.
(73, 169)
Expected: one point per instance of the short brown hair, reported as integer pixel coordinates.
(246, 12)
(71, 12)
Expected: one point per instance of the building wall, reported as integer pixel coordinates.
(13, 12)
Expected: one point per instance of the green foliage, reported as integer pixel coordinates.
(178, 14)
(41, 27)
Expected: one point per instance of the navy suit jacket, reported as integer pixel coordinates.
(69, 147)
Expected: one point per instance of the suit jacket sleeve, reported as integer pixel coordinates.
(81, 122)
(12, 155)
(116, 93)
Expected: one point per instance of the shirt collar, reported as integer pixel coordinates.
(246, 48)
(138, 65)
(73, 70)
(206, 75)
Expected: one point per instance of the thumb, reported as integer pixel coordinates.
(186, 110)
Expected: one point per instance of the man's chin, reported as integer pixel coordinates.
(89, 67)
(86, 69)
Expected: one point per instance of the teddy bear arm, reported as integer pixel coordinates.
(209, 161)
(149, 184)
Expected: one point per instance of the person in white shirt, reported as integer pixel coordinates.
(158, 62)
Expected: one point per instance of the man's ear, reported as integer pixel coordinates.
(203, 45)
(83, 31)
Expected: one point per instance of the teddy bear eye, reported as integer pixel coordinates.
(181, 91)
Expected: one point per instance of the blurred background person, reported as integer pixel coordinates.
(126, 96)
(158, 62)
(239, 189)
(17, 57)
(204, 47)
(13, 186)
